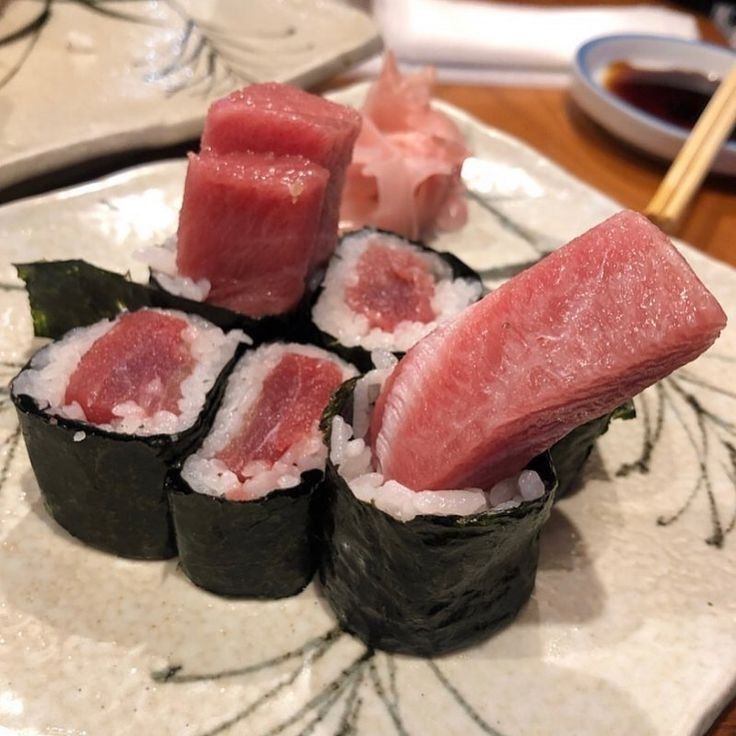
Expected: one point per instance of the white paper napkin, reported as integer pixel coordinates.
(486, 42)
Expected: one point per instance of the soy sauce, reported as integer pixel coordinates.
(676, 96)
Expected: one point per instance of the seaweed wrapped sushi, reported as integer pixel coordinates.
(108, 409)
(384, 292)
(260, 207)
(422, 572)
(243, 503)
(422, 468)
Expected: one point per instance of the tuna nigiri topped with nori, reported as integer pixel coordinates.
(564, 342)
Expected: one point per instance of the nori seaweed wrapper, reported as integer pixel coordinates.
(570, 454)
(108, 489)
(292, 326)
(99, 294)
(433, 584)
(357, 355)
(264, 548)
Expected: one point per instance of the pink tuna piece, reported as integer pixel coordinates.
(287, 121)
(394, 285)
(566, 341)
(292, 399)
(143, 358)
(248, 224)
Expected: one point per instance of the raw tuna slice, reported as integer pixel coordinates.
(248, 225)
(564, 342)
(143, 359)
(291, 401)
(393, 285)
(286, 120)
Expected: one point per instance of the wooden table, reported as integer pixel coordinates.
(550, 122)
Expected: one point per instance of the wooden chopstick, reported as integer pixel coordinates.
(669, 203)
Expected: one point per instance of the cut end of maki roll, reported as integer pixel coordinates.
(243, 502)
(422, 572)
(267, 430)
(382, 291)
(145, 373)
(105, 411)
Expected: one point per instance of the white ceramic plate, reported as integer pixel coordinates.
(93, 77)
(626, 121)
(632, 625)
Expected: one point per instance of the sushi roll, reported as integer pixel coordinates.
(383, 292)
(243, 502)
(259, 215)
(474, 407)
(248, 228)
(427, 572)
(570, 454)
(108, 409)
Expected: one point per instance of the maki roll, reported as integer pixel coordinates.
(104, 294)
(260, 209)
(383, 292)
(243, 503)
(474, 406)
(107, 409)
(426, 572)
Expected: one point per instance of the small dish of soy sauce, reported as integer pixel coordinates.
(650, 90)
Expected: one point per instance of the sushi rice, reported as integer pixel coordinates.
(206, 474)
(332, 315)
(51, 368)
(161, 259)
(349, 451)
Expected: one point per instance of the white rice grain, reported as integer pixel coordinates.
(161, 260)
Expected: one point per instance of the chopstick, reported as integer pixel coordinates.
(669, 203)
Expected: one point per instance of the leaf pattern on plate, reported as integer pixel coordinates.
(339, 701)
(711, 436)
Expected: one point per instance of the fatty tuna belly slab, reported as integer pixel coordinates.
(249, 225)
(566, 341)
(287, 121)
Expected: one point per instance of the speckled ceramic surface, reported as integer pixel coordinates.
(631, 628)
(83, 78)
